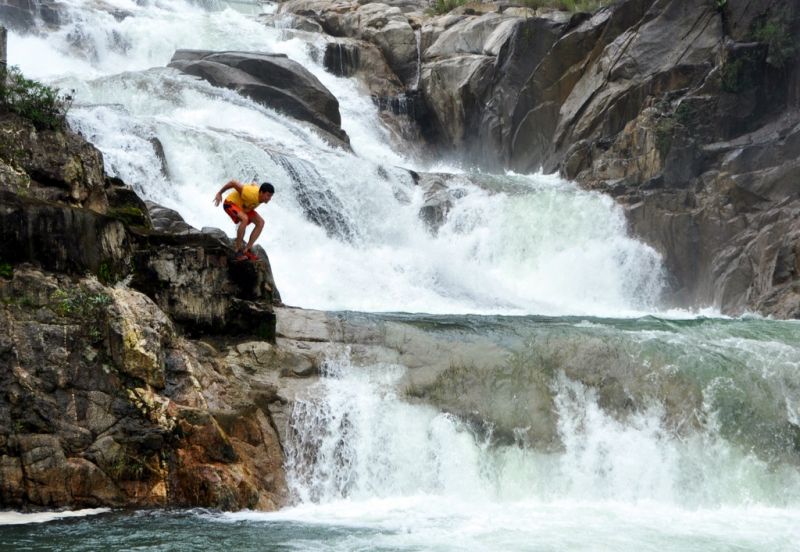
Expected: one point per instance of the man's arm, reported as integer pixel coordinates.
(232, 184)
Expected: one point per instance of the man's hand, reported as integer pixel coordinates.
(232, 184)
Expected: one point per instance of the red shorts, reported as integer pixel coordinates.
(233, 211)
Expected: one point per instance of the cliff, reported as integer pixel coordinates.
(136, 360)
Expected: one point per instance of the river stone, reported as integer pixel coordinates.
(270, 79)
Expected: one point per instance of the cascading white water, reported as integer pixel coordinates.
(358, 440)
(362, 456)
(521, 245)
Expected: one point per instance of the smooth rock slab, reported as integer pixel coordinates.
(272, 80)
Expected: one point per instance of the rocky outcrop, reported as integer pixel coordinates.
(346, 57)
(706, 160)
(106, 405)
(108, 397)
(386, 27)
(272, 80)
(50, 165)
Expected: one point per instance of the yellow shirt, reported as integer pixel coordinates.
(247, 200)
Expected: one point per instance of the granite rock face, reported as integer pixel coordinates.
(684, 111)
(703, 153)
(108, 398)
(105, 405)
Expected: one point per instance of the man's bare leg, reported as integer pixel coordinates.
(240, 231)
(259, 225)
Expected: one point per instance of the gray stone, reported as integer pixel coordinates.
(270, 79)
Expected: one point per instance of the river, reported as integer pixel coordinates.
(705, 457)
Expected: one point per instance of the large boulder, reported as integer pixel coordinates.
(473, 35)
(458, 70)
(272, 80)
(382, 25)
(454, 89)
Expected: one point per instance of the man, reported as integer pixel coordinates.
(241, 205)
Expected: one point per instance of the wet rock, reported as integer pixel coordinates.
(168, 220)
(289, 21)
(386, 27)
(438, 201)
(356, 58)
(270, 79)
(126, 205)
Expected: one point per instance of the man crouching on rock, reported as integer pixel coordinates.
(241, 205)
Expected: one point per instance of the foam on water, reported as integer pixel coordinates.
(380, 473)
(19, 518)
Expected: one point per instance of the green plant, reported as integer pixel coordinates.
(684, 114)
(127, 467)
(6, 271)
(42, 104)
(86, 308)
(780, 40)
(578, 6)
(665, 134)
(129, 214)
(64, 305)
(739, 74)
(266, 332)
(104, 274)
(446, 6)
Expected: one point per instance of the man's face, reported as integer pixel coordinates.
(264, 197)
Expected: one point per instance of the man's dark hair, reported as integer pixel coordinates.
(267, 187)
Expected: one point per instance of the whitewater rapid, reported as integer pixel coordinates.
(513, 245)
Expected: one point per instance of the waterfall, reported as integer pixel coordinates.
(418, 39)
(510, 244)
(357, 438)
